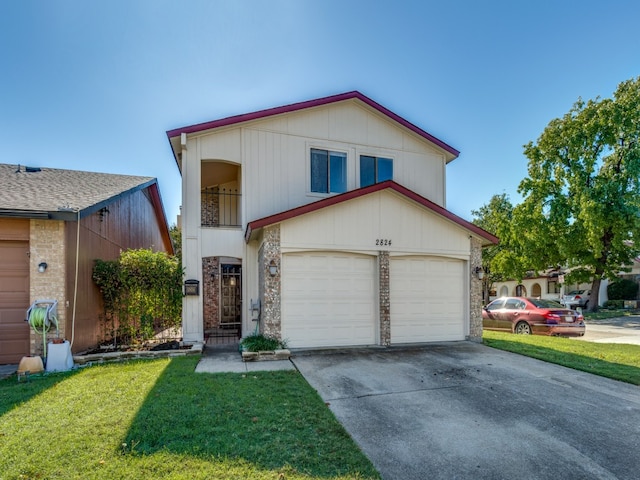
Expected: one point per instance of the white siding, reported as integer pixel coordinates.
(274, 153)
(357, 224)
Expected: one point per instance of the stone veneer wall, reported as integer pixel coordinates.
(475, 304)
(210, 207)
(271, 320)
(385, 298)
(47, 244)
(211, 292)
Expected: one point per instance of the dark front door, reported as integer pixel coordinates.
(231, 296)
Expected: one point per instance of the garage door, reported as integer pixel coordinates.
(328, 299)
(427, 299)
(14, 301)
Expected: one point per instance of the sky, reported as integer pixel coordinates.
(96, 85)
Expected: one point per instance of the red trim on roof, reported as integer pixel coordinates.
(310, 104)
(389, 184)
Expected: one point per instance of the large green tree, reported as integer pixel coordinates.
(581, 199)
(500, 261)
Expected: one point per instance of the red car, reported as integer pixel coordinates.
(532, 316)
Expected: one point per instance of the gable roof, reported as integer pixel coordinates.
(53, 193)
(294, 107)
(486, 237)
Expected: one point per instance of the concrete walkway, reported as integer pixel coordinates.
(229, 360)
(7, 370)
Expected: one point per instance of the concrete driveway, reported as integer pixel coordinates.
(466, 411)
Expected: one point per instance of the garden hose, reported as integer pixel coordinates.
(41, 323)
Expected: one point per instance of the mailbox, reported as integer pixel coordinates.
(192, 287)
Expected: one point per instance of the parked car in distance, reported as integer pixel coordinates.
(576, 298)
(532, 316)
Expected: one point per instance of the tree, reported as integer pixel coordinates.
(494, 217)
(581, 206)
(175, 232)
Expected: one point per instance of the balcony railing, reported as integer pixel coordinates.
(220, 207)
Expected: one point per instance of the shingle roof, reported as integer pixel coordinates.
(52, 192)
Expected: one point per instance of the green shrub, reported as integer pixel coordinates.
(614, 304)
(622, 290)
(142, 293)
(261, 343)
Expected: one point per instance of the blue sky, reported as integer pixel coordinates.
(96, 85)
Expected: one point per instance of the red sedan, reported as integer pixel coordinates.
(532, 316)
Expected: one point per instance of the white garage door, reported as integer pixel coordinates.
(328, 299)
(427, 299)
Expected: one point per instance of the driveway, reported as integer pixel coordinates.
(465, 411)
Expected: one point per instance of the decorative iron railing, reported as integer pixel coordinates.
(220, 207)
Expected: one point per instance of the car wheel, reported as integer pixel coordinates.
(523, 328)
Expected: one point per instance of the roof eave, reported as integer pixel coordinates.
(451, 152)
(485, 237)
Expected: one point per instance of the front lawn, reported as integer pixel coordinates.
(604, 314)
(616, 361)
(159, 419)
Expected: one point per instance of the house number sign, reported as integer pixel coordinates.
(383, 242)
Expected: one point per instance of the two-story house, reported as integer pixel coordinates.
(324, 223)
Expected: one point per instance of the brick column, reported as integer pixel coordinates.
(475, 292)
(47, 244)
(385, 298)
(271, 321)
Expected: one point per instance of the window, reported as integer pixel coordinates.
(514, 304)
(328, 171)
(375, 170)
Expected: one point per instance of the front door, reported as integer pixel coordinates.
(231, 296)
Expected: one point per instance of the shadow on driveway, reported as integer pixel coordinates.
(466, 411)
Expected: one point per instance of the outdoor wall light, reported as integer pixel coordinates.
(479, 272)
(273, 268)
(42, 266)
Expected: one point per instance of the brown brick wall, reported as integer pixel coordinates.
(211, 292)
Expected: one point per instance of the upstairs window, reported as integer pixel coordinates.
(328, 171)
(375, 170)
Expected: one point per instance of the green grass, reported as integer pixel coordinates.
(616, 361)
(604, 314)
(159, 419)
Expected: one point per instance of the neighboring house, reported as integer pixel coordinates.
(325, 222)
(42, 213)
(548, 285)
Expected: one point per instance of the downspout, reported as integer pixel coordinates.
(75, 286)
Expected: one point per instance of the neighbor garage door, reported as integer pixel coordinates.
(14, 301)
(427, 299)
(328, 299)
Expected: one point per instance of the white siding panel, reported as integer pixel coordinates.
(328, 299)
(222, 145)
(427, 299)
(355, 225)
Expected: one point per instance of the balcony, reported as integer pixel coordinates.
(220, 207)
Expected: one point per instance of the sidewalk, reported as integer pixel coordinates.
(7, 370)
